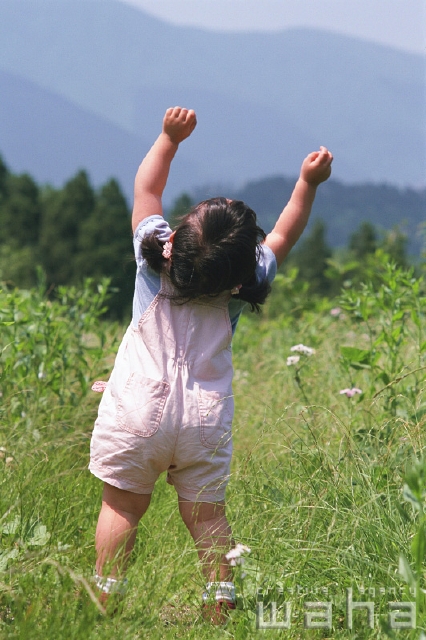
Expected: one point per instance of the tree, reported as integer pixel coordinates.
(363, 242)
(64, 212)
(21, 211)
(18, 265)
(20, 219)
(311, 259)
(105, 246)
(4, 173)
(394, 244)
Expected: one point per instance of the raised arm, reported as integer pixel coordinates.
(316, 168)
(151, 177)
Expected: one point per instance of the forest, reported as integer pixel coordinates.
(64, 235)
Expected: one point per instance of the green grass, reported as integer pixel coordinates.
(317, 479)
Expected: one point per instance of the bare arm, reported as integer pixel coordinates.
(316, 168)
(151, 177)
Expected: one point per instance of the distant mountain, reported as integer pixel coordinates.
(344, 207)
(51, 138)
(105, 71)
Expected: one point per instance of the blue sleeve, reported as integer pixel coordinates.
(266, 269)
(147, 282)
(145, 228)
(267, 264)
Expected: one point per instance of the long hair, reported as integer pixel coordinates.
(215, 248)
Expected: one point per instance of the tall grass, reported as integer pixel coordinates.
(325, 488)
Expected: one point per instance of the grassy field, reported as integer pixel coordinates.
(327, 488)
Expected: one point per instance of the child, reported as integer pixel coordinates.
(168, 405)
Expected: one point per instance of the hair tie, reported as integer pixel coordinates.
(235, 291)
(167, 250)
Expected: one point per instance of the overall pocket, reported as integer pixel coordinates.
(140, 408)
(216, 412)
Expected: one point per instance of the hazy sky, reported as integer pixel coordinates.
(398, 23)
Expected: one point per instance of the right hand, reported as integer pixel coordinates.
(179, 123)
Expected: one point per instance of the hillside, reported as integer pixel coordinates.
(258, 114)
(343, 207)
(54, 138)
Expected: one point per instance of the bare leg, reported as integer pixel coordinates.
(116, 530)
(212, 535)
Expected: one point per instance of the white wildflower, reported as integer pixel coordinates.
(301, 348)
(235, 555)
(292, 360)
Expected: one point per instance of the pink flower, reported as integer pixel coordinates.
(335, 312)
(350, 392)
(99, 386)
(167, 250)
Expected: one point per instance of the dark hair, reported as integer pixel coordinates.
(215, 248)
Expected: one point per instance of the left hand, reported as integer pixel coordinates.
(316, 168)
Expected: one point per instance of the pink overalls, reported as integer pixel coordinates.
(168, 404)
